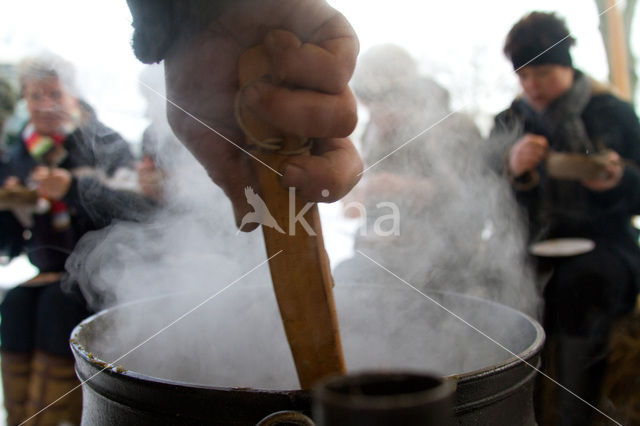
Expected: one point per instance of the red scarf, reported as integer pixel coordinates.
(38, 147)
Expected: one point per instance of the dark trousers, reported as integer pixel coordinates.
(40, 318)
(584, 296)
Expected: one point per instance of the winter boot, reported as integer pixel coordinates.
(16, 369)
(52, 398)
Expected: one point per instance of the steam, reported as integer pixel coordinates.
(459, 225)
(236, 339)
(459, 231)
(189, 244)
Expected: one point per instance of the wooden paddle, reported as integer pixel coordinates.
(300, 269)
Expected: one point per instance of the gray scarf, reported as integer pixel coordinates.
(562, 118)
(563, 203)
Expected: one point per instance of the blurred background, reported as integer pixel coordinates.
(458, 43)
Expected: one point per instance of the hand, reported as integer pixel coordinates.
(312, 51)
(52, 184)
(150, 178)
(610, 177)
(527, 153)
(11, 182)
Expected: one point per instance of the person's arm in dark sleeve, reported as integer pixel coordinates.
(503, 135)
(114, 154)
(98, 200)
(94, 200)
(627, 192)
(500, 139)
(631, 179)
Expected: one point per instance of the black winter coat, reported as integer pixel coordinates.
(92, 204)
(605, 217)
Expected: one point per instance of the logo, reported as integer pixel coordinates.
(260, 213)
(262, 216)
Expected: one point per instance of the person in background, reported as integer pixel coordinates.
(151, 177)
(563, 110)
(158, 145)
(310, 47)
(69, 158)
(410, 160)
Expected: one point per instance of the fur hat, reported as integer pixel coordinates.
(539, 38)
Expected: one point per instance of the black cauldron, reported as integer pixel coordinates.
(196, 359)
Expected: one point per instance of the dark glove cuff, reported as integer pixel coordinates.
(155, 29)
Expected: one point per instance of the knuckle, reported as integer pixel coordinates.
(347, 123)
(348, 115)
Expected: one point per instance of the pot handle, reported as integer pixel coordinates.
(286, 417)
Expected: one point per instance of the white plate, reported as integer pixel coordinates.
(561, 247)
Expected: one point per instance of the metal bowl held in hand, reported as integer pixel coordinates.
(228, 362)
(571, 166)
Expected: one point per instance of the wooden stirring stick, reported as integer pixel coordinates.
(300, 272)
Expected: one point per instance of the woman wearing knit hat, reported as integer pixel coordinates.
(571, 150)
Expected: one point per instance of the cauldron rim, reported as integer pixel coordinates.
(105, 367)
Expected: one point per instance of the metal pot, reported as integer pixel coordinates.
(227, 362)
